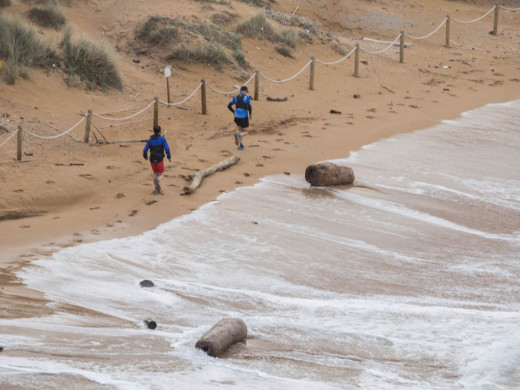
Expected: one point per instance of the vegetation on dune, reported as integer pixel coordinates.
(89, 64)
(157, 30)
(20, 48)
(48, 16)
(202, 42)
(210, 54)
(259, 27)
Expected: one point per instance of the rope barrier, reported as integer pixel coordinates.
(509, 9)
(233, 91)
(182, 101)
(385, 49)
(126, 117)
(474, 20)
(430, 34)
(290, 78)
(58, 135)
(8, 138)
(338, 61)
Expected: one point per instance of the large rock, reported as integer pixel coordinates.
(329, 174)
(225, 333)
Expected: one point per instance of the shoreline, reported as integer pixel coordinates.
(28, 302)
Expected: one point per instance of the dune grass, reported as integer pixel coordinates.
(48, 16)
(157, 30)
(21, 48)
(259, 27)
(214, 55)
(91, 64)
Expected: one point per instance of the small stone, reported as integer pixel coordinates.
(146, 283)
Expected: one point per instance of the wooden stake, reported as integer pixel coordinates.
(311, 79)
(87, 126)
(495, 21)
(19, 138)
(401, 48)
(448, 22)
(356, 61)
(168, 89)
(203, 97)
(257, 84)
(156, 111)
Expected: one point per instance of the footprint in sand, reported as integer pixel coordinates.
(259, 165)
(49, 182)
(87, 176)
(25, 226)
(266, 157)
(238, 182)
(247, 174)
(17, 190)
(370, 117)
(94, 208)
(132, 213)
(149, 202)
(120, 195)
(414, 106)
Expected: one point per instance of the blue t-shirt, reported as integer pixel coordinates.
(241, 112)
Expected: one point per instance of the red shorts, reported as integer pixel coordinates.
(157, 167)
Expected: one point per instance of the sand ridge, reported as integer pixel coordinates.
(69, 193)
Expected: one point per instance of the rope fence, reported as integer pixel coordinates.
(256, 76)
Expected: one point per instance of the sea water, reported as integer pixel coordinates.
(409, 279)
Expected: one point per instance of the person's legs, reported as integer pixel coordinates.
(158, 170)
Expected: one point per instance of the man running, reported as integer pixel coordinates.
(242, 104)
(157, 145)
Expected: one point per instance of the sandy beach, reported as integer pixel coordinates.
(66, 192)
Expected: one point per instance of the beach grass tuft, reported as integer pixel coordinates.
(89, 63)
(48, 16)
(21, 48)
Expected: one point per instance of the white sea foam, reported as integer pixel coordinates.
(409, 279)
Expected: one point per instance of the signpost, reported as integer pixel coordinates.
(168, 74)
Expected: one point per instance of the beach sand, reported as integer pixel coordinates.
(68, 192)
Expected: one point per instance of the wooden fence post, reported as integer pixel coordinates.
(356, 61)
(311, 78)
(156, 111)
(448, 22)
(87, 126)
(19, 138)
(168, 90)
(203, 97)
(401, 48)
(495, 21)
(257, 84)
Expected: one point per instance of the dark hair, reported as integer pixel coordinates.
(244, 88)
(157, 129)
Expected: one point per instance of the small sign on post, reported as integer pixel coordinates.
(167, 75)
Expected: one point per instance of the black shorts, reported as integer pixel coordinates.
(242, 122)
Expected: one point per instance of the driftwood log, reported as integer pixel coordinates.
(224, 334)
(328, 174)
(196, 178)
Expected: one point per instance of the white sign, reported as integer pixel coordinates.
(168, 71)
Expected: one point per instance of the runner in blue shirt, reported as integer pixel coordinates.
(242, 104)
(157, 145)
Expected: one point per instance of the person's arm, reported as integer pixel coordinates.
(250, 108)
(167, 149)
(230, 105)
(145, 150)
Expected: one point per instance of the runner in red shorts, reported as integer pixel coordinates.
(157, 145)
